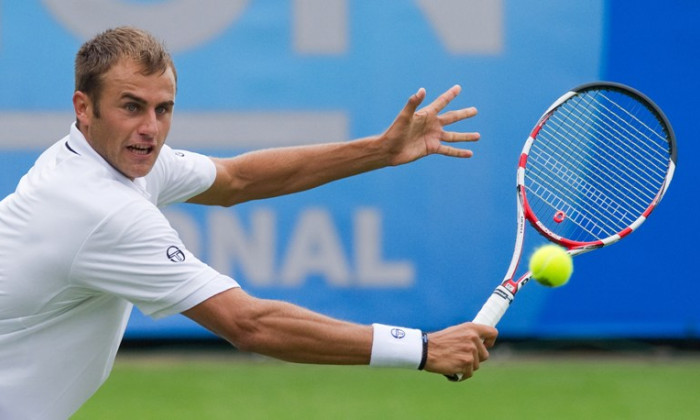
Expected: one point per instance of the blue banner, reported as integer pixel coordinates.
(420, 245)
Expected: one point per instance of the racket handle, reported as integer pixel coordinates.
(492, 312)
(495, 307)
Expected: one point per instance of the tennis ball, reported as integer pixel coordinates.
(551, 266)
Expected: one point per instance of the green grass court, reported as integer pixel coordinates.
(531, 386)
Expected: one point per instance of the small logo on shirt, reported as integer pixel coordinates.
(174, 254)
(398, 333)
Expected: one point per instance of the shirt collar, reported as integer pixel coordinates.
(78, 144)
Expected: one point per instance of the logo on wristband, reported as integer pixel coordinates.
(398, 333)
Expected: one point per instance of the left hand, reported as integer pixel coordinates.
(415, 134)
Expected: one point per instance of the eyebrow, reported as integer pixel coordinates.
(133, 97)
(142, 101)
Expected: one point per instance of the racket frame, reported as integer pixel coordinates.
(498, 302)
(501, 298)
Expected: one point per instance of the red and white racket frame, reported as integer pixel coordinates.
(499, 301)
(497, 304)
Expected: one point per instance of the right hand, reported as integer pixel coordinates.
(459, 349)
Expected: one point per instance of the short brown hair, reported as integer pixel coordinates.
(97, 56)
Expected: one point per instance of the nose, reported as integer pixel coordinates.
(149, 124)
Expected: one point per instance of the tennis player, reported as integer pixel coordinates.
(82, 238)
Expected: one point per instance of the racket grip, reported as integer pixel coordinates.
(495, 307)
(492, 312)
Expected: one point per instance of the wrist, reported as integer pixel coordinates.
(398, 347)
(424, 344)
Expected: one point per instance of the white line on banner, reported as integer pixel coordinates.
(195, 130)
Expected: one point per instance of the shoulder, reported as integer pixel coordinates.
(70, 186)
(171, 159)
(62, 202)
(179, 175)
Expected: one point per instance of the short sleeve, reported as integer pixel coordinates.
(135, 254)
(179, 175)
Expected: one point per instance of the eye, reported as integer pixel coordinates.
(164, 108)
(131, 107)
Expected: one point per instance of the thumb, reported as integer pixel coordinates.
(415, 100)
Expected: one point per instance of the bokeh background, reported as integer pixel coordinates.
(421, 245)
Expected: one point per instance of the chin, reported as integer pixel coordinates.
(142, 173)
(137, 171)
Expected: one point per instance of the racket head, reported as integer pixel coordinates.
(595, 166)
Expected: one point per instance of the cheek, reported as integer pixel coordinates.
(109, 138)
(161, 138)
(165, 126)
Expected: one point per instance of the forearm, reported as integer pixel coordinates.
(291, 333)
(294, 334)
(273, 172)
(284, 331)
(279, 171)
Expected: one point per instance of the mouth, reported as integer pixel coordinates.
(140, 149)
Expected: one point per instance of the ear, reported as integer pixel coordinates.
(83, 108)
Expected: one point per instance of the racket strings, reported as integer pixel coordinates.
(584, 223)
(652, 158)
(603, 197)
(613, 181)
(599, 159)
(653, 136)
(615, 155)
(569, 188)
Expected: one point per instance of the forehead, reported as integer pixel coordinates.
(127, 76)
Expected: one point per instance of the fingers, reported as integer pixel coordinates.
(487, 334)
(479, 351)
(453, 137)
(454, 152)
(416, 133)
(440, 104)
(451, 117)
(443, 100)
(490, 340)
(478, 354)
(414, 101)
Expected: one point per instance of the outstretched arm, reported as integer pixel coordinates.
(288, 332)
(415, 133)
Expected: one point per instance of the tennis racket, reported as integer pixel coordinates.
(593, 169)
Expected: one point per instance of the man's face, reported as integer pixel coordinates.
(135, 112)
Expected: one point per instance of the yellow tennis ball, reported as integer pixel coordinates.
(551, 266)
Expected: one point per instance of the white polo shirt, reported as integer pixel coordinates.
(79, 245)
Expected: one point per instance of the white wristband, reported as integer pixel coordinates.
(397, 347)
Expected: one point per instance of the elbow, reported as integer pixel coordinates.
(228, 188)
(228, 201)
(245, 331)
(234, 316)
